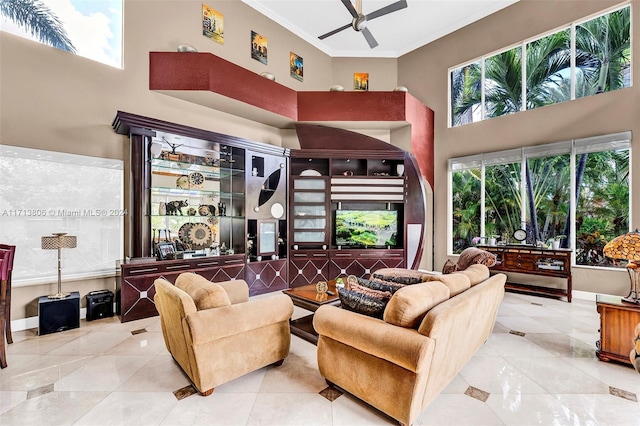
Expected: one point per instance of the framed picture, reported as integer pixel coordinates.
(166, 251)
(296, 66)
(361, 81)
(258, 47)
(212, 24)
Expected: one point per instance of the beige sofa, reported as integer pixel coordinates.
(216, 334)
(429, 331)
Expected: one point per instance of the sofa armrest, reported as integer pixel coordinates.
(402, 346)
(212, 324)
(237, 290)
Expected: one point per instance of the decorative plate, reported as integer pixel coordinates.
(310, 172)
(182, 182)
(200, 236)
(196, 180)
(183, 232)
(277, 210)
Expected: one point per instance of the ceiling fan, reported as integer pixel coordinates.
(359, 21)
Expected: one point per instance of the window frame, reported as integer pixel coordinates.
(573, 147)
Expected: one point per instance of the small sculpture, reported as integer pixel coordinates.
(322, 287)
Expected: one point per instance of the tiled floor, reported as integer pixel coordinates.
(537, 368)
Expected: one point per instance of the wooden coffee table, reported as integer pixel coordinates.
(308, 298)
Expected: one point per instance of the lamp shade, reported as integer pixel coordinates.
(58, 240)
(624, 247)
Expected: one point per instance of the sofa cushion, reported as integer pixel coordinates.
(399, 275)
(361, 303)
(476, 273)
(205, 294)
(474, 255)
(408, 306)
(456, 282)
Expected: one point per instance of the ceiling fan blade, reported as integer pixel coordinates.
(370, 39)
(337, 30)
(393, 7)
(350, 8)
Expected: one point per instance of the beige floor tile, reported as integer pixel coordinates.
(298, 409)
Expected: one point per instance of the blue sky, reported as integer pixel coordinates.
(94, 27)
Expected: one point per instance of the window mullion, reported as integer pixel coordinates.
(483, 113)
(523, 77)
(482, 200)
(572, 62)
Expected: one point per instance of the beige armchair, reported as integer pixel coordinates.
(216, 334)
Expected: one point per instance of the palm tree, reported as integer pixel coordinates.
(36, 18)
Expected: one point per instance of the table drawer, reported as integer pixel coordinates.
(518, 262)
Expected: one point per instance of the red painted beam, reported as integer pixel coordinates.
(205, 71)
(351, 106)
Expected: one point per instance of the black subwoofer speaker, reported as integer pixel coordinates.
(58, 314)
(99, 304)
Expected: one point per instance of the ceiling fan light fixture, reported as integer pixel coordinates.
(359, 23)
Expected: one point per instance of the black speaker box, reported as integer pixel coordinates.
(99, 304)
(58, 314)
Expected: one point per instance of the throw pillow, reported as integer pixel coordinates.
(378, 284)
(398, 279)
(205, 294)
(378, 294)
(361, 303)
(474, 255)
(449, 267)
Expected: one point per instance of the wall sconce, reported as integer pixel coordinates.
(187, 48)
(268, 75)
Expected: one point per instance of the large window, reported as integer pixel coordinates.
(585, 58)
(42, 192)
(92, 29)
(531, 188)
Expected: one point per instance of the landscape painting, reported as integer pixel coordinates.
(258, 47)
(296, 66)
(361, 81)
(212, 24)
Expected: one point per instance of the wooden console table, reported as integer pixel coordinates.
(534, 261)
(618, 321)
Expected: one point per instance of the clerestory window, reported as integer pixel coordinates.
(582, 59)
(92, 29)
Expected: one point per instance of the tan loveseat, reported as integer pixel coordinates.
(216, 334)
(428, 333)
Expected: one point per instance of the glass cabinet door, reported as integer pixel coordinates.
(267, 237)
(310, 212)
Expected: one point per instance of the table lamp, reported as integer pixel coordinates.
(627, 247)
(58, 241)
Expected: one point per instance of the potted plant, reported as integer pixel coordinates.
(555, 241)
(492, 240)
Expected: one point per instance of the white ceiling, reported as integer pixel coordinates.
(397, 33)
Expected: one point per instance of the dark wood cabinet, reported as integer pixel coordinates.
(135, 289)
(534, 261)
(308, 267)
(267, 276)
(618, 321)
(362, 263)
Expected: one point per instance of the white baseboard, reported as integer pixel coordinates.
(32, 322)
